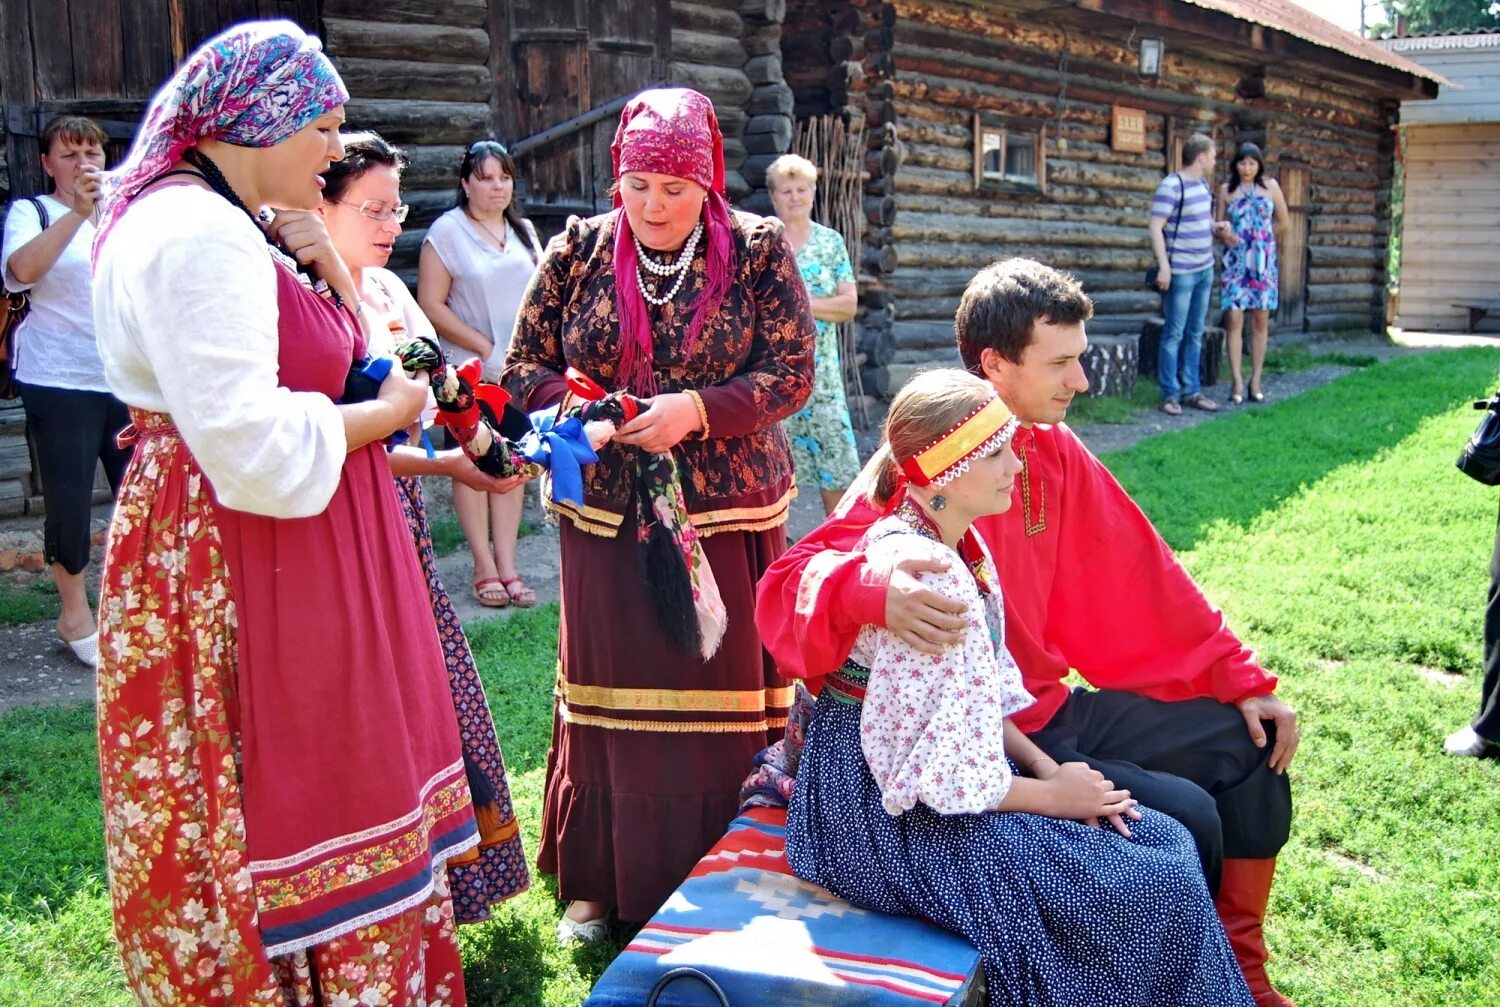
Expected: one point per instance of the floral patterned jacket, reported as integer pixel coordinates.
(752, 365)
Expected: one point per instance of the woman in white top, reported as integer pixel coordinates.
(477, 260)
(71, 416)
(283, 780)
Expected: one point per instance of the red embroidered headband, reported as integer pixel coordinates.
(979, 435)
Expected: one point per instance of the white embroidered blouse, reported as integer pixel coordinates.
(931, 727)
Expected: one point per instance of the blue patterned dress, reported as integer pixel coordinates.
(1064, 915)
(822, 437)
(1250, 281)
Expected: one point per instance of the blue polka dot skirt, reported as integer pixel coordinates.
(1063, 915)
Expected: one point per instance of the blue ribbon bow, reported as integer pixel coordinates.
(561, 447)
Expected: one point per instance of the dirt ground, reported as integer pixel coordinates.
(36, 668)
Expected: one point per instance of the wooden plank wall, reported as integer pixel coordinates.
(417, 74)
(1449, 248)
(919, 69)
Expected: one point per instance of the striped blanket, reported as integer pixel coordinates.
(768, 937)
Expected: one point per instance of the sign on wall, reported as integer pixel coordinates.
(1127, 131)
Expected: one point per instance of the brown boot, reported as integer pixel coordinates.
(1243, 894)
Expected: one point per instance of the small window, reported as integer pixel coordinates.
(1009, 154)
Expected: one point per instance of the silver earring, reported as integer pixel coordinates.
(939, 502)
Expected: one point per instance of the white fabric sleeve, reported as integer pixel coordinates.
(205, 302)
(932, 728)
(441, 234)
(22, 224)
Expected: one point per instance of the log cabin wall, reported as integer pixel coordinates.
(837, 60)
(926, 67)
(731, 51)
(417, 74)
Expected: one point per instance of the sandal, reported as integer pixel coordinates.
(517, 591)
(1201, 401)
(1171, 408)
(86, 649)
(582, 931)
(590, 932)
(491, 593)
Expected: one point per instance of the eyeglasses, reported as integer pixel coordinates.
(379, 209)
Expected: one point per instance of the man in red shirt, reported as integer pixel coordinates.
(1181, 715)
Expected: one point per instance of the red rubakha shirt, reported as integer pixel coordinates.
(1087, 581)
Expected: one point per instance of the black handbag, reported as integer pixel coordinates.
(1480, 458)
(684, 972)
(1154, 272)
(13, 310)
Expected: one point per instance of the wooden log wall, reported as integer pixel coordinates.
(731, 51)
(925, 66)
(837, 61)
(417, 74)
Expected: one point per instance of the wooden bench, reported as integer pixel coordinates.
(1476, 311)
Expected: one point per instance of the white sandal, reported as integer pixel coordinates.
(587, 932)
(86, 649)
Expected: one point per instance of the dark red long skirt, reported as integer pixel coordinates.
(649, 743)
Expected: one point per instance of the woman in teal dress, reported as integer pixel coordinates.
(1256, 211)
(822, 436)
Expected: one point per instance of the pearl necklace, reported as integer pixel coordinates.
(645, 263)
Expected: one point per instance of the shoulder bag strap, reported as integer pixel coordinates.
(1177, 216)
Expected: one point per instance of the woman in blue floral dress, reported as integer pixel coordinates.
(822, 436)
(1256, 211)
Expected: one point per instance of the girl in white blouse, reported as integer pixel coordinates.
(477, 260)
(917, 795)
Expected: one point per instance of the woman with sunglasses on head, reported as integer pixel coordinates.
(477, 260)
(282, 774)
(363, 210)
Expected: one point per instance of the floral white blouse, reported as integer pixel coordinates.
(932, 726)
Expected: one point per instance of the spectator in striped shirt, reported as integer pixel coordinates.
(1182, 235)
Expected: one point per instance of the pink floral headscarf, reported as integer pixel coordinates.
(669, 131)
(253, 85)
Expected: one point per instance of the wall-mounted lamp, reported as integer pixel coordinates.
(1152, 51)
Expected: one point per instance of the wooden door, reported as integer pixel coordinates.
(1296, 186)
(572, 64)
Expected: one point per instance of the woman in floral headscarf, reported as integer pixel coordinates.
(278, 747)
(664, 692)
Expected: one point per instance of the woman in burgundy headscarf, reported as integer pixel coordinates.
(700, 312)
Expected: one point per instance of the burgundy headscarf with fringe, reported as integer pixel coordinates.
(669, 131)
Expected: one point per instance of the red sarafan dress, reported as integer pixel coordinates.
(277, 743)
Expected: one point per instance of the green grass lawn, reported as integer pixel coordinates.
(22, 603)
(1340, 540)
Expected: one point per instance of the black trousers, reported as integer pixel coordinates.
(1193, 760)
(71, 431)
(1487, 724)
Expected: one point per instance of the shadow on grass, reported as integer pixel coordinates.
(1248, 463)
